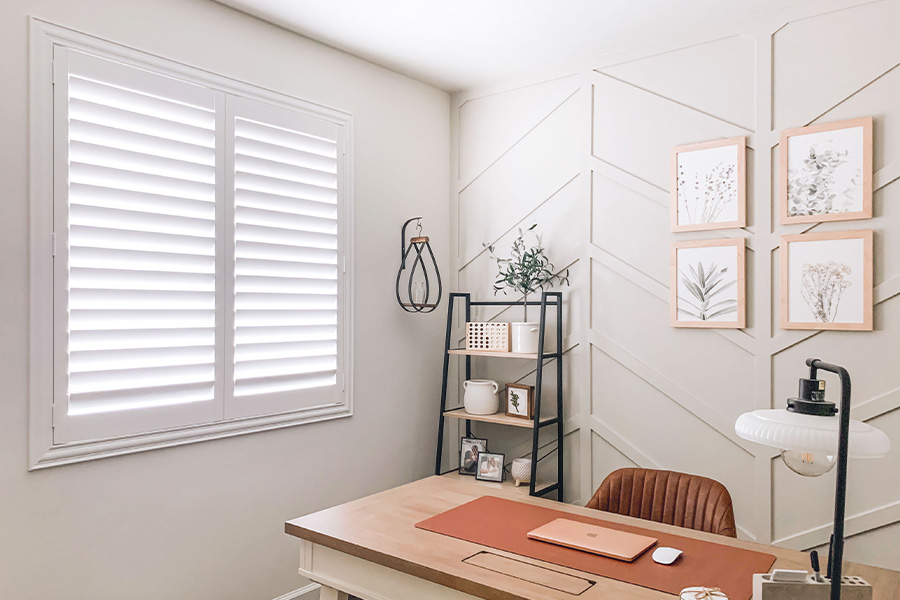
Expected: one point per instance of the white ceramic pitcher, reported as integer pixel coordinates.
(480, 397)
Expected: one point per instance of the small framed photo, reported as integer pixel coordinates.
(709, 185)
(469, 451)
(826, 172)
(490, 467)
(707, 286)
(519, 401)
(826, 281)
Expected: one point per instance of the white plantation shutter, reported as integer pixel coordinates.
(286, 250)
(199, 276)
(137, 279)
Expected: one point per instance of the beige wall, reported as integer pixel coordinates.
(205, 521)
(585, 153)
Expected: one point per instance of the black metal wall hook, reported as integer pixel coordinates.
(418, 298)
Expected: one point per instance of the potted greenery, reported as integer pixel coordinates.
(526, 271)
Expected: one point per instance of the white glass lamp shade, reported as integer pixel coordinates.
(780, 428)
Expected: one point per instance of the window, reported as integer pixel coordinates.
(197, 245)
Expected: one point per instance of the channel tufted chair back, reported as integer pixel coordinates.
(668, 497)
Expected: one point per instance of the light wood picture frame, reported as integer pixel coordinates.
(708, 284)
(524, 395)
(709, 185)
(825, 172)
(826, 281)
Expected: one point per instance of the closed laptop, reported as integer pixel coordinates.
(604, 541)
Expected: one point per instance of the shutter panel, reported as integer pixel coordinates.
(138, 222)
(287, 288)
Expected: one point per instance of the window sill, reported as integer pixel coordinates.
(66, 454)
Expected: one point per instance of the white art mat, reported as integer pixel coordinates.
(723, 302)
(825, 281)
(832, 181)
(708, 186)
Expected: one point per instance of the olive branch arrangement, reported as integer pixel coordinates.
(528, 269)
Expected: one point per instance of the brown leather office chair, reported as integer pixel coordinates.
(668, 497)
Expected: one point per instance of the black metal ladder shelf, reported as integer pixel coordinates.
(548, 299)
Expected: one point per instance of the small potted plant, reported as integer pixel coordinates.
(526, 271)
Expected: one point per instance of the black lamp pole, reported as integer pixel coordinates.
(836, 554)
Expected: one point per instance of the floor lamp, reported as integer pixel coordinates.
(808, 433)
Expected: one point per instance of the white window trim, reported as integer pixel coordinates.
(42, 452)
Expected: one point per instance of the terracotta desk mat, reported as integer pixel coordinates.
(503, 524)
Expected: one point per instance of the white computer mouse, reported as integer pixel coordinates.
(666, 556)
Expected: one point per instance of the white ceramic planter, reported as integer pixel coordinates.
(525, 337)
(480, 397)
(521, 470)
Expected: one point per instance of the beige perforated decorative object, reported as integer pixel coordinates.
(487, 337)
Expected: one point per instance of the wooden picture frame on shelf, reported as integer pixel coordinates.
(490, 467)
(826, 281)
(709, 185)
(825, 172)
(707, 286)
(519, 401)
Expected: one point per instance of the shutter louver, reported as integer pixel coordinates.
(141, 240)
(285, 259)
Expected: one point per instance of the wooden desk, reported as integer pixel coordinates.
(370, 548)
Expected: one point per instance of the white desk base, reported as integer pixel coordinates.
(340, 575)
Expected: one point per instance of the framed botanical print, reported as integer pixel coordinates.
(519, 401)
(826, 281)
(826, 172)
(707, 284)
(709, 185)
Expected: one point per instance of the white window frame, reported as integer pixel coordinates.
(42, 451)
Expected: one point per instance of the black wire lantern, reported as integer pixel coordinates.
(417, 285)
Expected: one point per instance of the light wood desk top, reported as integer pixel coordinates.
(379, 530)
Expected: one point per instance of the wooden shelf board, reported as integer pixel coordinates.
(498, 418)
(508, 483)
(465, 352)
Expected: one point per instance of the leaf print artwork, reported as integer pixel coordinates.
(822, 286)
(706, 284)
(514, 400)
(826, 172)
(812, 189)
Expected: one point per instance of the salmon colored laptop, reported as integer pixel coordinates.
(613, 543)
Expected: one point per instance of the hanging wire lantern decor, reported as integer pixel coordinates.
(415, 288)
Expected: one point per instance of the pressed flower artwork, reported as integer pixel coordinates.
(826, 172)
(708, 185)
(707, 284)
(827, 281)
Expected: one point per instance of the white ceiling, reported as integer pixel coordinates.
(459, 44)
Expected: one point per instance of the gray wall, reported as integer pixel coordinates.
(585, 152)
(205, 521)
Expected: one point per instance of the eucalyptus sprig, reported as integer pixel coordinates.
(528, 269)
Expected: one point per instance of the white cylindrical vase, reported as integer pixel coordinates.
(525, 337)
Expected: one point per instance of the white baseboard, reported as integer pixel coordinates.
(307, 592)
